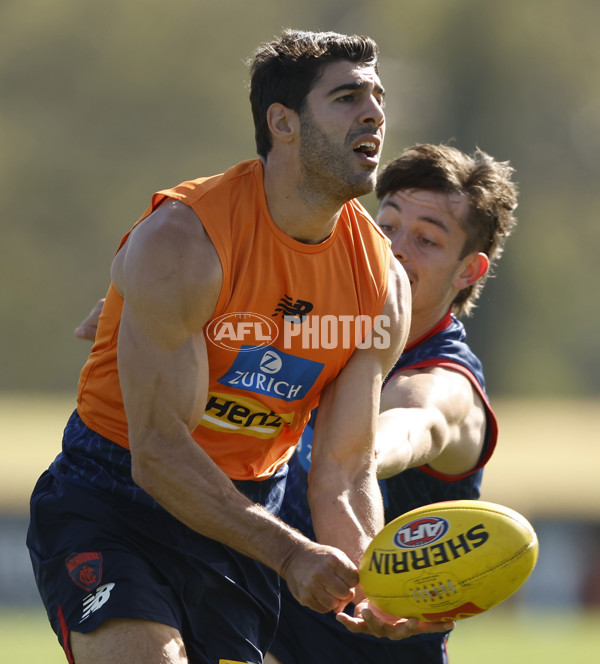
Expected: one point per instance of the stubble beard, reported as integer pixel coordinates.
(326, 168)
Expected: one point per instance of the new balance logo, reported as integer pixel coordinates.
(98, 599)
(293, 312)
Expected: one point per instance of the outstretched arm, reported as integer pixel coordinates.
(429, 416)
(343, 491)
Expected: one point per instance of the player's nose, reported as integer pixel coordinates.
(398, 240)
(372, 112)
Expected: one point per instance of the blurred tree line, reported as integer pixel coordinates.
(104, 103)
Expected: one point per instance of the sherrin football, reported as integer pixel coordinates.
(448, 560)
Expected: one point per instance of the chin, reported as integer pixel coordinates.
(364, 186)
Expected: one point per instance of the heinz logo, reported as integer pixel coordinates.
(421, 532)
(234, 330)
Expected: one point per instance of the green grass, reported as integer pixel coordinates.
(28, 639)
(498, 637)
(519, 637)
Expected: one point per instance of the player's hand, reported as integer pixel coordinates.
(87, 328)
(321, 577)
(368, 619)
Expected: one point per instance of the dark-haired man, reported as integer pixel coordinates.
(154, 535)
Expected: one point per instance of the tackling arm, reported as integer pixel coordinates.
(429, 416)
(344, 496)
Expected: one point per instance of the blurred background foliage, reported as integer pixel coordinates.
(104, 103)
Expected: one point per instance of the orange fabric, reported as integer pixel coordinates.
(260, 396)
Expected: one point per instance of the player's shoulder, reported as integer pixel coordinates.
(169, 246)
(173, 227)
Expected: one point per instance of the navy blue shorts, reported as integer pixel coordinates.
(306, 637)
(98, 555)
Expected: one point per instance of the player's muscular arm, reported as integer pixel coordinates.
(343, 492)
(170, 277)
(429, 416)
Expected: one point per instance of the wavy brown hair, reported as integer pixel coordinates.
(488, 186)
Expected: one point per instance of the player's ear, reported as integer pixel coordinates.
(283, 122)
(474, 266)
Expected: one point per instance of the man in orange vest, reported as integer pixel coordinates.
(154, 535)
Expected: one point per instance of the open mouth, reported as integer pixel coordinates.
(367, 147)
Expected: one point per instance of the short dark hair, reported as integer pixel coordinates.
(285, 70)
(486, 183)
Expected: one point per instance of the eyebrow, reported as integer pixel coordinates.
(430, 220)
(357, 85)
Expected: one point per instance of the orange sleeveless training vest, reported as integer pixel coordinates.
(275, 339)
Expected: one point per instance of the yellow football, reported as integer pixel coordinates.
(448, 560)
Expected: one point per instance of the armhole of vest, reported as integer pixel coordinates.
(220, 247)
(491, 432)
(224, 254)
(157, 200)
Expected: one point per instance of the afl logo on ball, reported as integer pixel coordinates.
(421, 532)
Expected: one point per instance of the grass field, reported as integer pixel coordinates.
(498, 637)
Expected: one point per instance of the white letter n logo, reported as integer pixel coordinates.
(93, 602)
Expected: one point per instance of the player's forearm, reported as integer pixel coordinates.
(347, 514)
(188, 484)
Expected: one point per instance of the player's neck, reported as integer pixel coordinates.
(310, 219)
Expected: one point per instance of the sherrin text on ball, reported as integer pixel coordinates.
(449, 560)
